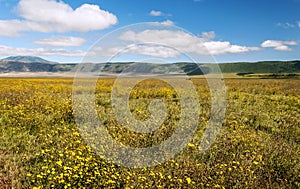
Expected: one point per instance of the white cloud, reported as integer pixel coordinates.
(184, 42)
(225, 47)
(10, 28)
(167, 23)
(275, 43)
(209, 35)
(283, 48)
(7, 50)
(149, 49)
(156, 13)
(61, 41)
(53, 16)
(279, 45)
(163, 23)
(153, 50)
(285, 25)
(168, 37)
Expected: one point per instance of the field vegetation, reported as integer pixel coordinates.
(258, 146)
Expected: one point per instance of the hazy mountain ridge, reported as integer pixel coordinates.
(37, 64)
(28, 59)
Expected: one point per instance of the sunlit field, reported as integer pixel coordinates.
(257, 147)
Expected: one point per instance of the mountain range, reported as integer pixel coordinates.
(37, 64)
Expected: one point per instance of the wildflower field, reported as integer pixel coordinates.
(257, 147)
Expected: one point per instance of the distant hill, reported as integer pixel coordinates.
(200, 69)
(15, 66)
(32, 64)
(27, 59)
(37, 64)
(262, 67)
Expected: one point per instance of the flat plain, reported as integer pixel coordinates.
(258, 147)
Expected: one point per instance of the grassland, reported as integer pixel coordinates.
(258, 146)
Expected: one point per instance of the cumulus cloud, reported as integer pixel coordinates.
(61, 41)
(183, 42)
(163, 23)
(7, 50)
(283, 48)
(53, 16)
(153, 50)
(156, 13)
(209, 35)
(279, 45)
(225, 47)
(149, 49)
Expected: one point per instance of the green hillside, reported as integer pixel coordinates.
(261, 67)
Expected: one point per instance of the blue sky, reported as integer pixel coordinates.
(230, 30)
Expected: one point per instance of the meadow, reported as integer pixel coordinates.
(257, 147)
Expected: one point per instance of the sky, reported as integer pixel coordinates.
(160, 30)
